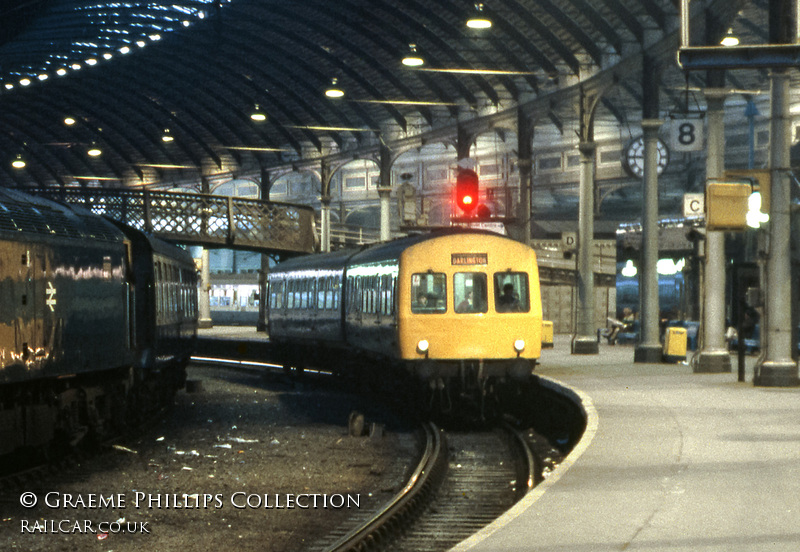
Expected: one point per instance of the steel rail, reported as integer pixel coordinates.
(407, 503)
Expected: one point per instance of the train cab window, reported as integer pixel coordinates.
(428, 293)
(511, 292)
(469, 292)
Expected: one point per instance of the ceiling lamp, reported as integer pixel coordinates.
(413, 59)
(18, 162)
(478, 19)
(258, 115)
(730, 39)
(333, 91)
(69, 121)
(167, 137)
(94, 151)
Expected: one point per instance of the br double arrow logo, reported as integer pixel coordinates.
(51, 296)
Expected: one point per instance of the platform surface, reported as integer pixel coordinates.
(243, 333)
(672, 460)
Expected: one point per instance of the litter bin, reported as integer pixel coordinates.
(547, 334)
(675, 344)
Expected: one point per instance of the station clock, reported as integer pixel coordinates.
(633, 157)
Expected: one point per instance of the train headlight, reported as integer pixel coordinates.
(519, 345)
(422, 346)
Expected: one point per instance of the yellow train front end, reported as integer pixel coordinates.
(469, 310)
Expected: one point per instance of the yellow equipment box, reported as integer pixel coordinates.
(675, 344)
(547, 334)
(726, 205)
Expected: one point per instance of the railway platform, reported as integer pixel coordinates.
(670, 460)
(232, 342)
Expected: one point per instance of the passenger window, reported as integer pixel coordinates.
(511, 292)
(469, 292)
(336, 291)
(321, 289)
(428, 293)
(290, 294)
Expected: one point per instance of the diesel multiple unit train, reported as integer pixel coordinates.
(459, 310)
(97, 322)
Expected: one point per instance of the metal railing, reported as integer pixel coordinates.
(200, 219)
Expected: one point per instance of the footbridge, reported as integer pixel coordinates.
(200, 219)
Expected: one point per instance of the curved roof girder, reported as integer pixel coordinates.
(22, 148)
(571, 26)
(204, 75)
(566, 55)
(102, 88)
(375, 38)
(603, 26)
(627, 19)
(261, 97)
(346, 69)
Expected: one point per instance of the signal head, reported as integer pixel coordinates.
(467, 189)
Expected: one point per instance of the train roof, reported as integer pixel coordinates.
(393, 249)
(336, 260)
(372, 253)
(153, 243)
(27, 214)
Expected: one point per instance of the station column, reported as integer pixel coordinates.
(649, 350)
(325, 209)
(585, 340)
(714, 356)
(261, 324)
(776, 368)
(525, 165)
(203, 300)
(385, 191)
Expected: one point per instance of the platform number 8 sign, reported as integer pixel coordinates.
(687, 134)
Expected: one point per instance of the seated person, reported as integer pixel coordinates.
(466, 305)
(617, 326)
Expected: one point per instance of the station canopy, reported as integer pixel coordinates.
(170, 92)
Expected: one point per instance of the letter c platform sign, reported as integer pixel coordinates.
(693, 205)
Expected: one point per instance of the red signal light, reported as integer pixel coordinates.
(467, 189)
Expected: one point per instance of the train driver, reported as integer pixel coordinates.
(508, 302)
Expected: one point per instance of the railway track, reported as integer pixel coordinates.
(464, 481)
